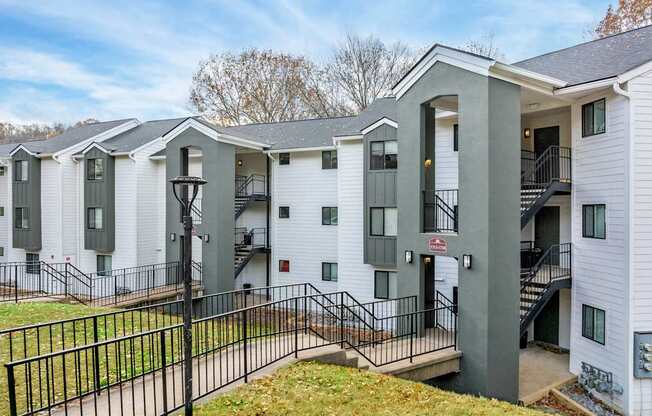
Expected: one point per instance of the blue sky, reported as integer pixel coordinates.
(70, 60)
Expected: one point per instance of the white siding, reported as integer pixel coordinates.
(305, 187)
(5, 238)
(641, 251)
(51, 213)
(600, 266)
(355, 277)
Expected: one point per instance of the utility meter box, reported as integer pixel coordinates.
(643, 354)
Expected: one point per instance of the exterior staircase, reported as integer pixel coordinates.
(249, 189)
(248, 243)
(550, 273)
(544, 177)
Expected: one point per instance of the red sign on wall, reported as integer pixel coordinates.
(437, 245)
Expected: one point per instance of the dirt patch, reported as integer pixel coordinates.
(551, 405)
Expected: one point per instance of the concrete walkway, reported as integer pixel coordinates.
(539, 371)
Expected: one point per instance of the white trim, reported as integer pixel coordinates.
(524, 73)
(213, 134)
(441, 53)
(586, 87)
(96, 145)
(132, 154)
(300, 149)
(105, 135)
(22, 147)
(379, 123)
(337, 140)
(634, 72)
(162, 157)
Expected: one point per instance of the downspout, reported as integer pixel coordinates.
(267, 234)
(630, 229)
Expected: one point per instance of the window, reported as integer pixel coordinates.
(384, 155)
(20, 171)
(33, 265)
(2, 171)
(594, 118)
(2, 211)
(95, 169)
(104, 265)
(329, 216)
(283, 158)
(593, 221)
(381, 284)
(284, 266)
(284, 212)
(21, 218)
(329, 272)
(593, 324)
(2, 251)
(95, 220)
(384, 222)
(329, 159)
(456, 135)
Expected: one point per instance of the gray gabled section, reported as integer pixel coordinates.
(27, 194)
(100, 193)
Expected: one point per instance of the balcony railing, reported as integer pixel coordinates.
(254, 184)
(440, 211)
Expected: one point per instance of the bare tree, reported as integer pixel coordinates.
(9, 133)
(485, 46)
(259, 87)
(630, 14)
(365, 68)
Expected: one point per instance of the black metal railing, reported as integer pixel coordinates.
(253, 238)
(528, 159)
(195, 211)
(254, 184)
(440, 210)
(29, 280)
(552, 165)
(530, 254)
(141, 372)
(553, 265)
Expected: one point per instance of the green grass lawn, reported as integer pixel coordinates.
(318, 389)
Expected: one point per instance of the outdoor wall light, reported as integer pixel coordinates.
(427, 260)
(173, 236)
(408, 256)
(427, 163)
(206, 238)
(240, 163)
(466, 261)
(526, 133)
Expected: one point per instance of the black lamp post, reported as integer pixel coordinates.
(180, 187)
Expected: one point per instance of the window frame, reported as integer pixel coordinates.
(88, 219)
(30, 264)
(24, 168)
(280, 266)
(593, 311)
(22, 218)
(2, 251)
(377, 274)
(384, 221)
(332, 159)
(329, 277)
(284, 159)
(456, 137)
(330, 216)
(585, 127)
(2, 211)
(594, 213)
(104, 271)
(384, 154)
(281, 209)
(91, 167)
(3, 170)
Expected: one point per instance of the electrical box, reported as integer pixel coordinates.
(643, 354)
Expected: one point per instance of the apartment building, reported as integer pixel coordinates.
(417, 195)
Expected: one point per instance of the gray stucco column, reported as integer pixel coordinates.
(218, 168)
(489, 227)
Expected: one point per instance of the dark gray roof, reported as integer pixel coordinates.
(382, 107)
(292, 134)
(597, 59)
(140, 135)
(71, 137)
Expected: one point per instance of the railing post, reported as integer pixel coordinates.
(342, 320)
(373, 325)
(96, 356)
(163, 373)
(296, 327)
(16, 282)
(11, 385)
(65, 280)
(412, 335)
(244, 345)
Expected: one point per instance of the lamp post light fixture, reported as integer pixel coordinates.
(180, 187)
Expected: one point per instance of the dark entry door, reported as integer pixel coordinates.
(546, 229)
(429, 289)
(543, 139)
